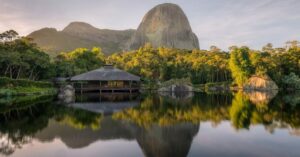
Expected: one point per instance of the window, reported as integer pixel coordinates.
(117, 84)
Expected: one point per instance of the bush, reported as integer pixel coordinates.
(176, 82)
(220, 85)
(8, 83)
(292, 81)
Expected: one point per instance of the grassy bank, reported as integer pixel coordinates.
(25, 87)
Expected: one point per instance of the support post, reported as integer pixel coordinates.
(130, 85)
(81, 87)
(100, 87)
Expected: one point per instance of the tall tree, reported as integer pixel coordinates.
(240, 65)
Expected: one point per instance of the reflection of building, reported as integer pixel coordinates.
(105, 103)
(107, 78)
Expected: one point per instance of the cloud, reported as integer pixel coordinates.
(218, 22)
(253, 23)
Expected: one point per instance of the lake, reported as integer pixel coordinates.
(152, 125)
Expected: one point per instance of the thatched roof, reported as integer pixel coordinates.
(106, 73)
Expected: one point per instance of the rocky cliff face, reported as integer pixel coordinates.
(165, 25)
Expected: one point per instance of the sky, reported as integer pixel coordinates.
(222, 23)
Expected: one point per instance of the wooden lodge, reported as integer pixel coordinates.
(106, 79)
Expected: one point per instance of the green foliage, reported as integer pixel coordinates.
(211, 86)
(22, 91)
(8, 83)
(283, 63)
(79, 119)
(185, 81)
(22, 59)
(25, 87)
(292, 81)
(240, 111)
(78, 61)
(163, 64)
(240, 65)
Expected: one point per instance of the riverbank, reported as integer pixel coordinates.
(22, 91)
(255, 83)
(165, 86)
(22, 87)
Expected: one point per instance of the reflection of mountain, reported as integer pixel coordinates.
(162, 126)
(155, 141)
(174, 141)
(78, 138)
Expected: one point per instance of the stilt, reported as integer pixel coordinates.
(100, 87)
(81, 87)
(130, 85)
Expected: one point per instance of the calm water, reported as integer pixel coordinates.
(152, 125)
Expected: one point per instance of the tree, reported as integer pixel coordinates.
(268, 48)
(9, 35)
(240, 65)
(214, 49)
(22, 59)
(79, 61)
(292, 44)
(292, 81)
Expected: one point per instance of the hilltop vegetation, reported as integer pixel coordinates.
(214, 65)
(23, 59)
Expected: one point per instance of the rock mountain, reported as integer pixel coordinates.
(164, 25)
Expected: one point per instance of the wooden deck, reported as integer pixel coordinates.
(107, 89)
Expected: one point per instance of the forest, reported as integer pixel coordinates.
(23, 59)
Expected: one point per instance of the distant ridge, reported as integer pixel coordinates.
(80, 34)
(164, 25)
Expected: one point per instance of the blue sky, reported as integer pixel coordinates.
(216, 22)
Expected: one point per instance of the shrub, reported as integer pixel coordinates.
(7, 82)
(292, 81)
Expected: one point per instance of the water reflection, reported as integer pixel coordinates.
(161, 125)
(105, 103)
(260, 97)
